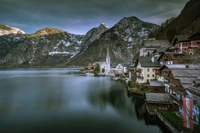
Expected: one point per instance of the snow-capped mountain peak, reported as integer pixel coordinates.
(104, 25)
(6, 30)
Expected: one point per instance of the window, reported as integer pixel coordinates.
(153, 75)
(185, 44)
(147, 75)
(147, 69)
(185, 49)
(153, 70)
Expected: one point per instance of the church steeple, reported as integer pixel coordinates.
(108, 61)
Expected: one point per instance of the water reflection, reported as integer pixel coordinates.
(118, 99)
(62, 100)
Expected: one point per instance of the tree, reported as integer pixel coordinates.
(103, 70)
(97, 68)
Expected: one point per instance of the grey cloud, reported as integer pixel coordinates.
(68, 14)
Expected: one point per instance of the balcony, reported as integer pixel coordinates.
(139, 70)
(140, 77)
(158, 72)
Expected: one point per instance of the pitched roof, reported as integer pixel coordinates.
(156, 83)
(163, 98)
(146, 62)
(175, 55)
(183, 66)
(160, 49)
(156, 43)
(185, 73)
(195, 36)
(182, 37)
(187, 37)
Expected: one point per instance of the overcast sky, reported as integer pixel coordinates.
(79, 16)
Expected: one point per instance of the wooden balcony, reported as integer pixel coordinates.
(139, 70)
(140, 77)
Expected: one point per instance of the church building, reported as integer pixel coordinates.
(105, 65)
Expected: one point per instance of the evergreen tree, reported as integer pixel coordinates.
(97, 68)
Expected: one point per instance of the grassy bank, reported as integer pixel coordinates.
(174, 120)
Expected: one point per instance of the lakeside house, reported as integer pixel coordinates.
(186, 43)
(170, 75)
(177, 78)
(156, 87)
(145, 69)
(161, 101)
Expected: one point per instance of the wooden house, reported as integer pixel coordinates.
(159, 101)
(174, 58)
(177, 78)
(186, 43)
(156, 87)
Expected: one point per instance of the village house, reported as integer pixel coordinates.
(145, 69)
(156, 87)
(161, 101)
(186, 43)
(174, 58)
(177, 78)
(194, 93)
(148, 46)
(120, 70)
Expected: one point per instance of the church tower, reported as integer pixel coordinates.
(107, 62)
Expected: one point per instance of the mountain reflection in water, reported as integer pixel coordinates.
(64, 100)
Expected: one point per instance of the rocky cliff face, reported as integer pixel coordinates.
(92, 35)
(123, 40)
(187, 22)
(46, 47)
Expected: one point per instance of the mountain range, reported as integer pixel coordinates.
(51, 47)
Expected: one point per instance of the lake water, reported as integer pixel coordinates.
(64, 100)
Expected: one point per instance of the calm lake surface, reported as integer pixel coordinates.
(64, 100)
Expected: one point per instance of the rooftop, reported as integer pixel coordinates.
(156, 43)
(158, 98)
(183, 66)
(185, 73)
(160, 49)
(146, 62)
(182, 37)
(156, 83)
(176, 55)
